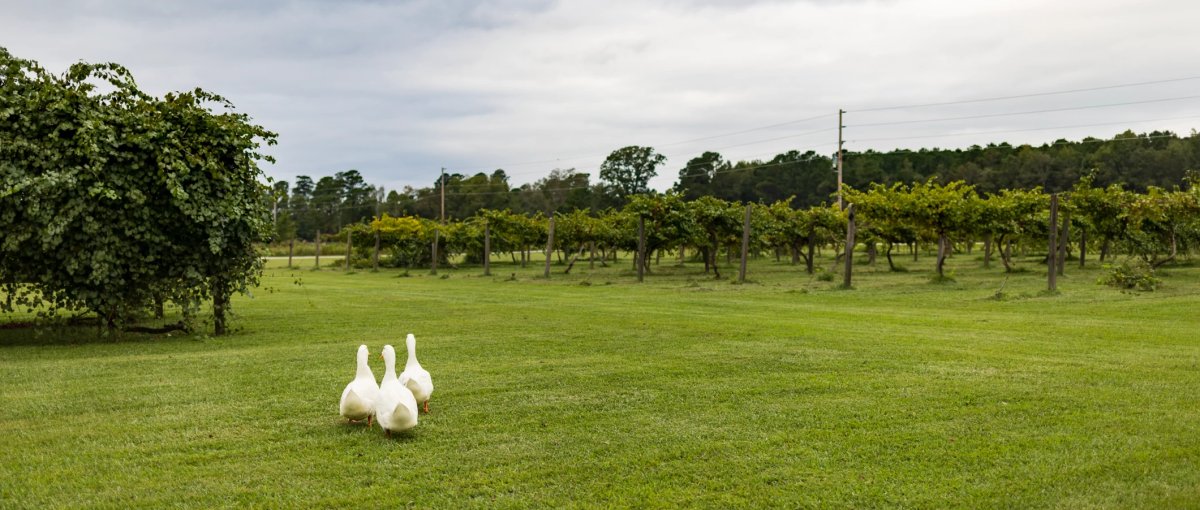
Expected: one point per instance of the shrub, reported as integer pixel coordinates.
(1133, 274)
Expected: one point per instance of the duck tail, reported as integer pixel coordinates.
(404, 416)
(350, 402)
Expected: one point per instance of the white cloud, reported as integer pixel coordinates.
(398, 90)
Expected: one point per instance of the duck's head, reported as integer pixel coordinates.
(363, 353)
(388, 354)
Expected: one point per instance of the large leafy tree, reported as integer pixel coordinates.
(1160, 222)
(943, 211)
(1102, 212)
(629, 170)
(1010, 214)
(668, 222)
(696, 179)
(885, 213)
(112, 201)
(717, 222)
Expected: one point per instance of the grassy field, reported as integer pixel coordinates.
(592, 390)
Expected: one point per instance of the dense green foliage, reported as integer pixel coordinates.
(113, 201)
(1135, 162)
(1155, 226)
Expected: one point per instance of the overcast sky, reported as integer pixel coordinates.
(398, 90)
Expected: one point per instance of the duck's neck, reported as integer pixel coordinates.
(364, 369)
(411, 343)
(389, 370)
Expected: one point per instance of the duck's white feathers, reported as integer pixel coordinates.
(419, 380)
(358, 399)
(396, 409)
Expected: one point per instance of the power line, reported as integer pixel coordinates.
(754, 142)
(1005, 131)
(731, 169)
(1029, 112)
(681, 142)
(751, 130)
(1021, 96)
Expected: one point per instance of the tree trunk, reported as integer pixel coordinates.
(375, 254)
(1008, 257)
(987, 251)
(575, 258)
(1170, 256)
(808, 261)
(434, 251)
(639, 258)
(549, 246)
(943, 247)
(891, 265)
(1065, 244)
(850, 231)
(1082, 246)
(487, 250)
(716, 270)
(745, 246)
(318, 262)
(220, 294)
(291, 250)
(1052, 246)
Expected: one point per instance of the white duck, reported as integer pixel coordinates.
(395, 409)
(358, 399)
(419, 380)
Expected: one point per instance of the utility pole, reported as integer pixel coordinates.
(839, 156)
(437, 234)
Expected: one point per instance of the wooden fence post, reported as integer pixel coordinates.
(375, 255)
(1052, 249)
(1082, 246)
(349, 247)
(549, 246)
(436, 238)
(641, 248)
(1065, 242)
(487, 249)
(745, 245)
(318, 265)
(850, 231)
(291, 250)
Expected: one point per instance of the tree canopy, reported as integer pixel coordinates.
(113, 201)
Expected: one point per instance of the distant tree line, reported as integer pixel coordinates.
(1135, 161)
(1153, 229)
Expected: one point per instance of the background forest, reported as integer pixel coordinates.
(1134, 161)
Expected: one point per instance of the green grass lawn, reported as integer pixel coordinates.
(591, 390)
